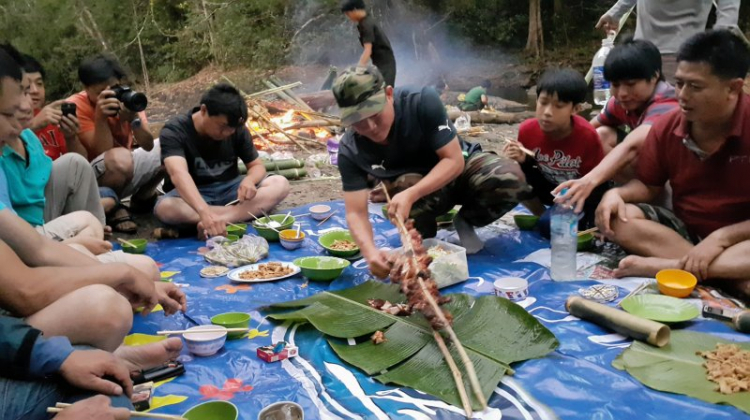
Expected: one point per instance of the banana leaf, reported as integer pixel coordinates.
(494, 331)
(676, 367)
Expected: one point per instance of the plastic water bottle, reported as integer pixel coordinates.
(601, 85)
(564, 238)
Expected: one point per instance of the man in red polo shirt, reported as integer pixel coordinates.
(703, 150)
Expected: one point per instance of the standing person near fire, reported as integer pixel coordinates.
(376, 45)
(404, 139)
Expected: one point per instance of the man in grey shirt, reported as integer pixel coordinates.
(667, 23)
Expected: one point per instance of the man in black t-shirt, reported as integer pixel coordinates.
(200, 151)
(404, 138)
(376, 45)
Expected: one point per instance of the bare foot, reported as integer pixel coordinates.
(147, 356)
(635, 266)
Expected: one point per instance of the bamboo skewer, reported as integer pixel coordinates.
(59, 407)
(207, 330)
(231, 203)
(261, 223)
(592, 230)
(126, 242)
(327, 217)
(635, 291)
(470, 371)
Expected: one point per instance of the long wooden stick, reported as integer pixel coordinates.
(470, 371)
(274, 90)
(592, 230)
(456, 373)
(59, 407)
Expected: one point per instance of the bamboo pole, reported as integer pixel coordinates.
(470, 371)
(274, 90)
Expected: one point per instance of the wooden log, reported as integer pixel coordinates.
(478, 117)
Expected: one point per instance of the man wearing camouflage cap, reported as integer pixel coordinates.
(404, 138)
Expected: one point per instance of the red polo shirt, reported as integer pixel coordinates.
(709, 192)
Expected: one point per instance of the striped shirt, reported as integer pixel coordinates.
(661, 102)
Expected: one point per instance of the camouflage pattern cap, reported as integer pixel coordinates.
(360, 94)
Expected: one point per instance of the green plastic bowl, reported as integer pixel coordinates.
(240, 230)
(321, 268)
(326, 241)
(585, 242)
(232, 238)
(212, 410)
(140, 246)
(268, 233)
(526, 221)
(232, 320)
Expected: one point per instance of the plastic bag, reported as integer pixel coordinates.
(463, 123)
(247, 250)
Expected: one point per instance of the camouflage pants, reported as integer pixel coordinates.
(489, 187)
(665, 217)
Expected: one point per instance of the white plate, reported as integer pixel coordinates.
(234, 275)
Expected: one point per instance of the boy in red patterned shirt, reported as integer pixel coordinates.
(565, 146)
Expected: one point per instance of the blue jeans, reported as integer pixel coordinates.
(28, 400)
(215, 194)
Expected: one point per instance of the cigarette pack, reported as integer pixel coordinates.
(267, 354)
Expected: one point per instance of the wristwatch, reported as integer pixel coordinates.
(136, 123)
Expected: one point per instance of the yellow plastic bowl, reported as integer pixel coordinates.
(676, 283)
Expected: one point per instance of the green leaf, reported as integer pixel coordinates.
(676, 367)
(494, 331)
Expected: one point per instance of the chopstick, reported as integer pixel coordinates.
(592, 230)
(520, 146)
(635, 291)
(207, 330)
(59, 407)
(231, 203)
(234, 226)
(327, 217)
(286, 217)
(126, 242)
(263, 224)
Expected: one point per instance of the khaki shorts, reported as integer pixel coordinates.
(64, 227)
(146, 167)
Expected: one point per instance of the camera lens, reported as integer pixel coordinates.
(135, 101)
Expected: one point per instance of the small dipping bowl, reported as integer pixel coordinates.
(289, 239)
(526, 221)
(513, 288)
(238, 229)
(232, 238)
(284, 410)
(320, 211)
(676, 283)
(205, 344)
(585, 242)
(213, 410)
(140, 246)
(232, 320)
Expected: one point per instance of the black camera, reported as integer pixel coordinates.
(134, 101)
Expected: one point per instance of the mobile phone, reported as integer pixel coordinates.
(68, 108)
(160, 373)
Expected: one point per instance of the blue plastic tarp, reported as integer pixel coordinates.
(576, 381)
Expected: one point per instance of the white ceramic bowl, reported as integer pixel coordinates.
(512, 288)
(320, 211)
(205, 344)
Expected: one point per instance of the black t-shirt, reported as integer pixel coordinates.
(420, 128)
(208, 160)
(370, 32)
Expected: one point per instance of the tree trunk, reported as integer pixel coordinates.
(535, 43)
(211, 43)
